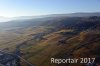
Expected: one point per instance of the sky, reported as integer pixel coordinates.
(15, 8)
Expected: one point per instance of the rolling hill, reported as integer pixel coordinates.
(62, 36)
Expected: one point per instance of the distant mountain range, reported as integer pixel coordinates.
(74, 20)
(80, 14)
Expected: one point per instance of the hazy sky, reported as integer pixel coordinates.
(13, 8)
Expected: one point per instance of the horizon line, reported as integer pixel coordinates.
(45, 14)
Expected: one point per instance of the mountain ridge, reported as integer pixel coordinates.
(77, 14)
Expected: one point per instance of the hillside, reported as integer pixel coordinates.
(41, 39)
(25, 21)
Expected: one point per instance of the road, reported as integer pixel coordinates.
(10, 59)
